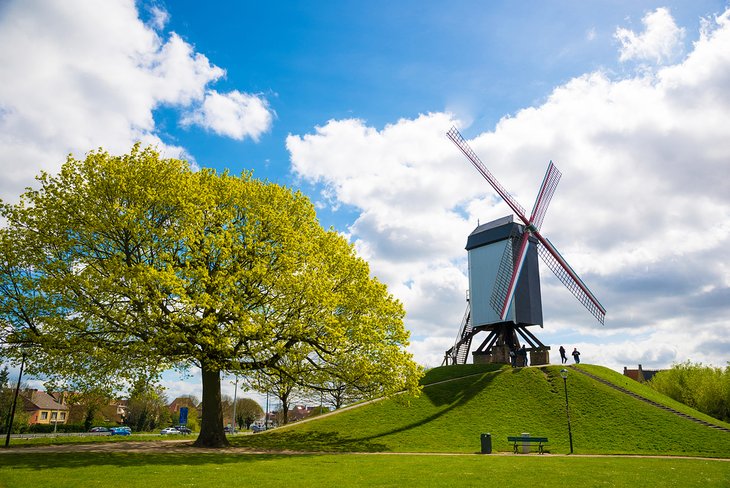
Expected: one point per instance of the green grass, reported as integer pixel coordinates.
(436, 375)
(88, 439)
(81, 470)
(449, 418)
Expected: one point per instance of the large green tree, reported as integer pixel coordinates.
(136, 263)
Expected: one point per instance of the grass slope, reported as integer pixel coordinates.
(450, 416)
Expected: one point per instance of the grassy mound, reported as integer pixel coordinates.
(460, 403)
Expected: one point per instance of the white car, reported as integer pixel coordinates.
(169, 430)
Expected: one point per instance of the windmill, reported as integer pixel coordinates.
(504, 282)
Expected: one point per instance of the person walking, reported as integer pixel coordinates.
(576, 355)
(563, 357)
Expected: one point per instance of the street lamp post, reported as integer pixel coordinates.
(564, 374)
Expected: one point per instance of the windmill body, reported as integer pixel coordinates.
(504, 278)
(486, 247)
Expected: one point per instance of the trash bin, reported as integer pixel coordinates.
(525, 445)
(486, 443)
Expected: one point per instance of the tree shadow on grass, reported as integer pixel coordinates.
(311, 441)
(448, 394)
(50, 460)
(454, 393)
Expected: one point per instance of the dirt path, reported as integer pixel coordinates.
(186, 447)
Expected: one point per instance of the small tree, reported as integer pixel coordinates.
(7, 394)
(147, 408)
(338, 393)
(227, 408)
(283, 381)
(248, 411)
(87, 407)
(193, 420)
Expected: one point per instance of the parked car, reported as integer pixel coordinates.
(120, 431)
(184, 429)
(170, 430)
(99, 429)
(257, 428)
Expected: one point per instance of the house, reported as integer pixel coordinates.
(42, 408)
(180, 402)
(116, 410)
(641, 375)
(299, 412)
(109, 409)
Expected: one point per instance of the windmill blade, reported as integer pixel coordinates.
(503, 278)
(547, 189)
(457, 139)
(570, 279)
(519, 261)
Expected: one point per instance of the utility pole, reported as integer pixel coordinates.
(235, 393)
(15, 401)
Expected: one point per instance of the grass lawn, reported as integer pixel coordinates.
(88, 439)
(59, 470)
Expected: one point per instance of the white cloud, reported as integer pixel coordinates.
(79, 75)
(661, 41)
(234, 114)
(158, 17)
(641, 213)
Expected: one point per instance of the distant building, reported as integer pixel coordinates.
(116, 410)
(42, 408)
(113, 410)
(180, 402)
(641, 375)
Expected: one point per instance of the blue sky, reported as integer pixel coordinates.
(350, 102)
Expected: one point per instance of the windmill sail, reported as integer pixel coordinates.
(461, 143)
(547, 189)
(509, 270)
(562, 270)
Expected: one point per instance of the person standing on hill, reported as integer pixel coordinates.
(523, 355)
(563, 357)
(576, 355)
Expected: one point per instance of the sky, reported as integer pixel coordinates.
(350, 103)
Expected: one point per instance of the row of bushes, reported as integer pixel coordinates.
(705, 388)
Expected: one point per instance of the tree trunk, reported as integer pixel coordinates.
(211, 426)
(285, 408)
